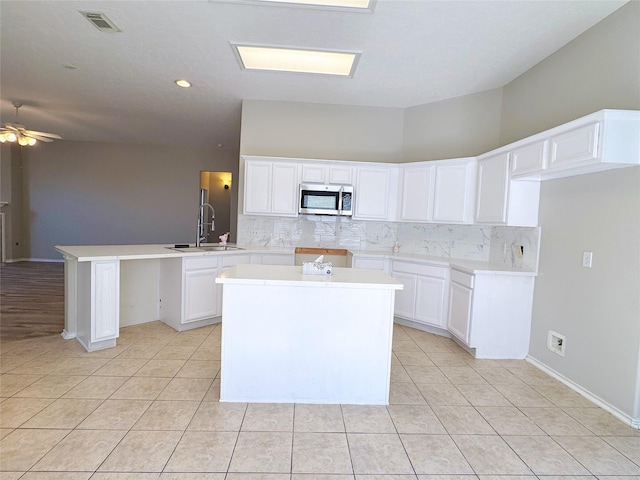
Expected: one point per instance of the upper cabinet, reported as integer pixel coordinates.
(271, 188)
(502, 201)
(454, 191)
(341, 174)
(375, 192)
(601, 141)
(416, 192)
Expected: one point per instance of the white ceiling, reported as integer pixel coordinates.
(413, 52)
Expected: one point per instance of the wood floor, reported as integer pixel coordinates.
(31, 300)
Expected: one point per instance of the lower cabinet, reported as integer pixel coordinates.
(189, 295)
(491, 313)
(423, 298)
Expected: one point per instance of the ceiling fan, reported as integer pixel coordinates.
(15, 132)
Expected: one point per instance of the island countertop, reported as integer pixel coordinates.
(292, 276)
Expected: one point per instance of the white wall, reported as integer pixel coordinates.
(597, 309)
(332, 132)
(599, 69)
(459, 127)
(104, 193)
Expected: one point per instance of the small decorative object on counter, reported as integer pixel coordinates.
(317, 267)
(224, 238)
(396, 247)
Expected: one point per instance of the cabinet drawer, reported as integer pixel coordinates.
(276, 259)
(231, 260)
(195, 263)
(420, 269)
(372, 263)
(462, 278)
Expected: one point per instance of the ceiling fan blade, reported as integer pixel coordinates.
(35, 134)
(40, 138)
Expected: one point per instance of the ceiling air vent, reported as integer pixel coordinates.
(101, 22)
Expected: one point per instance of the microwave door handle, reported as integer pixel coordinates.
(340, 200)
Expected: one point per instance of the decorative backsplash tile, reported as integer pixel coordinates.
(468, 242)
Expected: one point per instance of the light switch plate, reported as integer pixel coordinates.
(587, 259)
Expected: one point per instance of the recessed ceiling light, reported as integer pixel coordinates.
(281, 59)
(183, 83)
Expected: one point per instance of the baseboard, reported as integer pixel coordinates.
(620, 415)
(422, 326)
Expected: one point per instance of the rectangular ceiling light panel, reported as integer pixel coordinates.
(297, 60)
(363, 4)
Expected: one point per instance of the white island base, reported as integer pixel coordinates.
(293, 338)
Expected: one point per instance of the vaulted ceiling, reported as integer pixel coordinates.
(89, 85)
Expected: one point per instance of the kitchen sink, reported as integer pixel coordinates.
(212, 248)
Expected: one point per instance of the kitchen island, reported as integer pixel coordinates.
(289, 337)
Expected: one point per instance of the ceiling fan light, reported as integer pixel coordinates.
(10, 136)
(23, 141)
(32, 141)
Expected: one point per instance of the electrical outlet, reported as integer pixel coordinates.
(556, 343)
(587, 259)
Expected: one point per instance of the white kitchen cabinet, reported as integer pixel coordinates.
(423, 299)
(502, 201)
(454, 191)
(97, 297)
(529, 158)
(189, 295)
(459, 321)
(490, 312)
(271, 188)
(601, 141)
(373, 262)
(375, 193)
(272, 258)
(417, 190)
(337, 172)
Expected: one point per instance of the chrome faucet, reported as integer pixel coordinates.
(202, 232)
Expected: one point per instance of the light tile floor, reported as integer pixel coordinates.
(147, 409)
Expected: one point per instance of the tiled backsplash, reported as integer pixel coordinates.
(469, 242)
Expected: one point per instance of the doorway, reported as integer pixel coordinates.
(218, 188)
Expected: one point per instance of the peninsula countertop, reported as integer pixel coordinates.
(88, 253)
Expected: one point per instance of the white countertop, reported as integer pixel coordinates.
(469, 266)
(292, 276)
(87, 253)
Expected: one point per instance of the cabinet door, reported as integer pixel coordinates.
(529, 158)
(416, 203)
(405, 299)
(342, 175)
(493, 186)
(284, 189)
(313, 173)
(460, 312)
(257, 187)
(200, 294)
(372, 193)
(430, 301)
(454, 192)
(105, 299)
(576, 146)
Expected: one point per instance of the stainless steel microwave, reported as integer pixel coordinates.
(320, 199)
